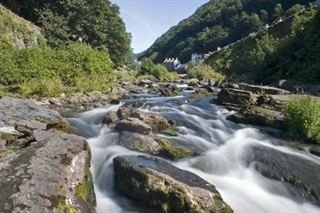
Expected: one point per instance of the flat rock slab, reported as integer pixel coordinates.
(158, 183)
(51, 172)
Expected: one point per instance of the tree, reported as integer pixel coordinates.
(97, 22)
(264, 17)
(131, 60)
(278, 11)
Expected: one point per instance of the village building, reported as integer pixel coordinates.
(174, 65)
(197, 58)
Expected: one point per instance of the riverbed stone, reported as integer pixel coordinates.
(110, 117)
(139, 142)
(236, 96)
(133, 125)
(159, 184)
(154, 120)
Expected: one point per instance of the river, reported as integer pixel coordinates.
(227, 160)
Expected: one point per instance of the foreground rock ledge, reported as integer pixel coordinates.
(42, 169)
(158, 183)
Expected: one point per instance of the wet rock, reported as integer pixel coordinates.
(110, 117)
(154, 120)
(168, 92)
(138, 142)
(304, 180)
(158, 183)
(115, 101)
(133, 125)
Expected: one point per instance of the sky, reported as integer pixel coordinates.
(147, 20)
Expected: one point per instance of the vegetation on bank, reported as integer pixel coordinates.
(43, 71)
(292, 53)
(97, 23)
(303, 118)
(218, 23)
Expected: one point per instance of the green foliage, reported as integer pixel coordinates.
(303, 117)
(158, 71)
(217, 23)
(97, 22)
(48, 72)
(131, 61)
(165, 207)
(270, 55)
(204, 71)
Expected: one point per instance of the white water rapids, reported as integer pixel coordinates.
(224, 161)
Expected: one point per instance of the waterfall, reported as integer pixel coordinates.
(227, 160)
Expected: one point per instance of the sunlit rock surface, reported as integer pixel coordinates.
(42, 169)
(158, 183)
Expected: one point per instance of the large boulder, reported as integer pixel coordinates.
(133, 125)
(44, 170)
(236, 96)
(304, 180)
(158, 183)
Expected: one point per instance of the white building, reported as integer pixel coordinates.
(197, 58)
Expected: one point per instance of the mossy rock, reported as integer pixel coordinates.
(170, 132)
(172, 152)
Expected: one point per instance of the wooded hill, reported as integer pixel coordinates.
(289, 50)
(218, 23)
(96, 22)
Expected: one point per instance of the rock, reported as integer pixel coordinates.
(142, 143)
(2, 146)
(168, 92)
(211, 89)
(262, 89)
(50, 172)
(304, 180)
(115, 101)
(154, 120)
(48, 176)
(158, 183)
(174, 152)
(133, 125)
(110, 117)
(263, 117)
(236, 96)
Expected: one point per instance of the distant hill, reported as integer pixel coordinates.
(217, 23)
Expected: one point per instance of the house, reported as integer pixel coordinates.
(174, 65)
(197, 58)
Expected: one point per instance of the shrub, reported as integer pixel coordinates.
(303, 117)
(204, 71)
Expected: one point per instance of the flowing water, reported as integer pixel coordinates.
(227, 159)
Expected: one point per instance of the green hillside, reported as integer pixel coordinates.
(218, 23)
(291, 53)
(98, 23)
